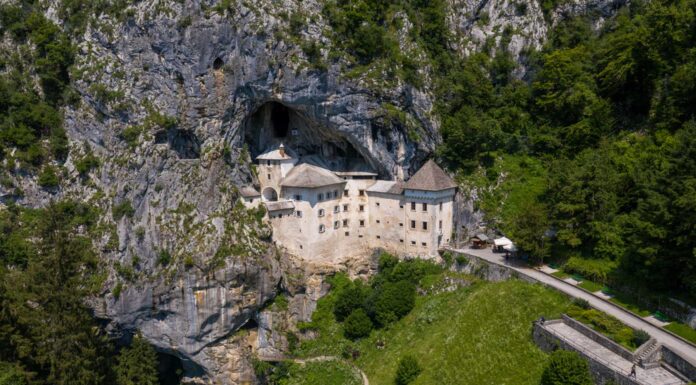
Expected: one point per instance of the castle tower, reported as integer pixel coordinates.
(274, 165)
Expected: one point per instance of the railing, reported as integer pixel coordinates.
(606, 363)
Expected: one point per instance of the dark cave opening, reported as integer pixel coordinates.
(170, 369)
(273, 123)
(218, 63)
(280, 118)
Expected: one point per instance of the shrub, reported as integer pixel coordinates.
(566, 368)
(188, 262)
(349, 299)
(407, 371)
(581, 303)
(48, 178)
(164, 258)
(640, 337)
(462, 260)
(393, 301)
(117, 290)
(123, 209)
(594, 269)
(357, 325)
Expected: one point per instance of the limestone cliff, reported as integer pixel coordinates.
(169, 94)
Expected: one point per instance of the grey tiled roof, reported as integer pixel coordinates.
(430, 177)
(307, 175)
(279, 205)
(387, 187)
(248, 192)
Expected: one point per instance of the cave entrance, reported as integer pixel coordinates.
(280, 118)
(170, 369)
(274, 123)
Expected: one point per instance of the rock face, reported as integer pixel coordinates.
(166, 97)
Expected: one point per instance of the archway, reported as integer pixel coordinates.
(270, 194)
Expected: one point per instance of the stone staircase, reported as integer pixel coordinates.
(644, 354)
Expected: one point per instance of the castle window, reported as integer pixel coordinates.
(335, 193)
(268, 163)
(298, 197)
(300, 247)
(320, 197)
(345, 192)
(401, 240)
(379, 237)
(345, 223)
(322, 228)
(347, 233)
(440, 206)
(337, 209)
(298, 214)
(413, 243)
(362, 207)
(425, 207)
(280, 215)
(378, 221)
(401, 224)
(359, 236)
(362, 193)
(413, 206)
(425, 225)
(337, 224)
(424, 244)
(413, 224)
(401, 206)
(440, 225)
(321, 212)
(269, 176)
(362, 223)
(345, 207)
(377, 204)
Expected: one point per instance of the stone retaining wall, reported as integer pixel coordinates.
(598, 338)
(601, 374)
(485, 269)
(676, 361)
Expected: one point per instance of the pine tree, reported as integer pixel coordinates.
(137, 364)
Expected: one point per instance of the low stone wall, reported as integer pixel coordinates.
(601, 374)
(598, 338)
(685, 368)
(485, 269)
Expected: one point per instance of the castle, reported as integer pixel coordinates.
(329, 214)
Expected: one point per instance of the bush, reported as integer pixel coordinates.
(566, 368)
(357, 325)
(392, 301)
(594, 269)
(640, 337)
(349, 299)
(164, 258)
(581, 303)
(407, 371)
(48, 178)
(122, 209)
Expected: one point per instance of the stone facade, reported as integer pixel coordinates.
(329, 214)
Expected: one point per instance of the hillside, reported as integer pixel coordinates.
(128, 128)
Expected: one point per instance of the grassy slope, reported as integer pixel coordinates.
(323, 373)
(683, 330)
(478, 335)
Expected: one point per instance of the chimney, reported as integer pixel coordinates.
(281, 150)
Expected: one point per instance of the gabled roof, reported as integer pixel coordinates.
(279, 205)
(387, 187)
(249, 192)
(280, 153)
(430, 177)
(307, 175)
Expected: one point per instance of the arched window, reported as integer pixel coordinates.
(322, 228)
(321, 212)
(320, 197)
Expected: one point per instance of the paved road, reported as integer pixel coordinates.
(677, 345)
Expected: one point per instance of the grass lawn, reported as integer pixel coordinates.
(561, 274)
(682, 330)
(628, 304)
(323, 373)
(591, 286)
(475, 335)
(609, 326)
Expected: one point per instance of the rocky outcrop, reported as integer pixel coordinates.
(166, 92)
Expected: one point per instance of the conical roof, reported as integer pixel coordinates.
(430, 177)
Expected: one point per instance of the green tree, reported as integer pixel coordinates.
(392, 301)
(349, 299)
(566, 368)
(357, 325)
(137, 364)
(407, 371)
